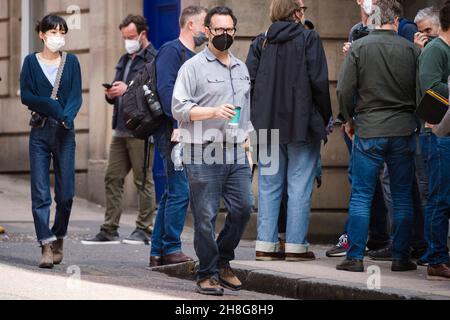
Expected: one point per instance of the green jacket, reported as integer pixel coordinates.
(377, 85)
(434, 68)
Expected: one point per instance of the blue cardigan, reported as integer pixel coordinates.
(36, 90)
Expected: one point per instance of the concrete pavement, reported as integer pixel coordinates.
(124, 267)
(108, 272)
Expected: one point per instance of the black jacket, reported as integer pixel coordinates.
(291, 89)
(146, 55)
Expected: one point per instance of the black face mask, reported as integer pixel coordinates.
(223, 42)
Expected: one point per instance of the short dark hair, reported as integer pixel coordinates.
(51, 22)
(138, 20)
(444, 17)
(190, 12)
(221, 11)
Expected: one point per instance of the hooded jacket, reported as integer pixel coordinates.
(291, 89)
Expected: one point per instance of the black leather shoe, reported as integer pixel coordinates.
(384, 254)
(210, 287)
(351, 265)
(401, 266)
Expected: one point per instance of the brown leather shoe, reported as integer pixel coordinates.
(155, 262)
(296, 257)
(269, 256)
(2, 230)
(351, 265)
(440, 272)
(229, 280)
(58, 254)
(176, 258)
(209, 287)
(47, 257)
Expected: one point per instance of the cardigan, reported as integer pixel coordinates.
(36, 90)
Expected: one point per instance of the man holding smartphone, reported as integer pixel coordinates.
(127, 153)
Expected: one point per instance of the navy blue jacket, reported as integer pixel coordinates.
(291, 88)
(407, 29)
(143, 57)
(36, 90)
(169, 60)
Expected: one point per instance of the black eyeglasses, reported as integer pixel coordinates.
(221, 31)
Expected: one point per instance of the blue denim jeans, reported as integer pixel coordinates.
(173, 206)
(379, 223)
(368, 159)
(298, 164)
(419, 196)
(55, 143)
(282, 219)
(209, 183)
(438, 205)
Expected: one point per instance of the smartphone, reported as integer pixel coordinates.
(107, 86)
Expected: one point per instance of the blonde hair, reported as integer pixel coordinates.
(281, 10)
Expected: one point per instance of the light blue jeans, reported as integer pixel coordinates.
(297, 172)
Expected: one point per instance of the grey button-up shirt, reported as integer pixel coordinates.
(204, 81)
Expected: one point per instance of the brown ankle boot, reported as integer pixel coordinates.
(47, 257)
(57, 249)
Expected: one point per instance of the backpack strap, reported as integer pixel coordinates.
(147, 161)
(183, 56)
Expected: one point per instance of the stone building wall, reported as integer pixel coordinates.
(98, 45)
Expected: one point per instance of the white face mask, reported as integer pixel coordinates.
(55, 43)
(368, 7)
(133, 46)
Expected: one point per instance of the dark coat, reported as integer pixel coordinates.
(291, 88)
(145, 56)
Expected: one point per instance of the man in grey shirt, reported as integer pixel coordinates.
(212, 88)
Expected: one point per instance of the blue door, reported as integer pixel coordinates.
(163, 19)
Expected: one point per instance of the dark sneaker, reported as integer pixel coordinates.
(103, 238)
(351, 265)
(339, 250)
(210, 287)
(298, 257)
(401, 266)
(423, 263)
(384, 254)
(439, 273)
(375, 245)
(138, 237)
(229, 280)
